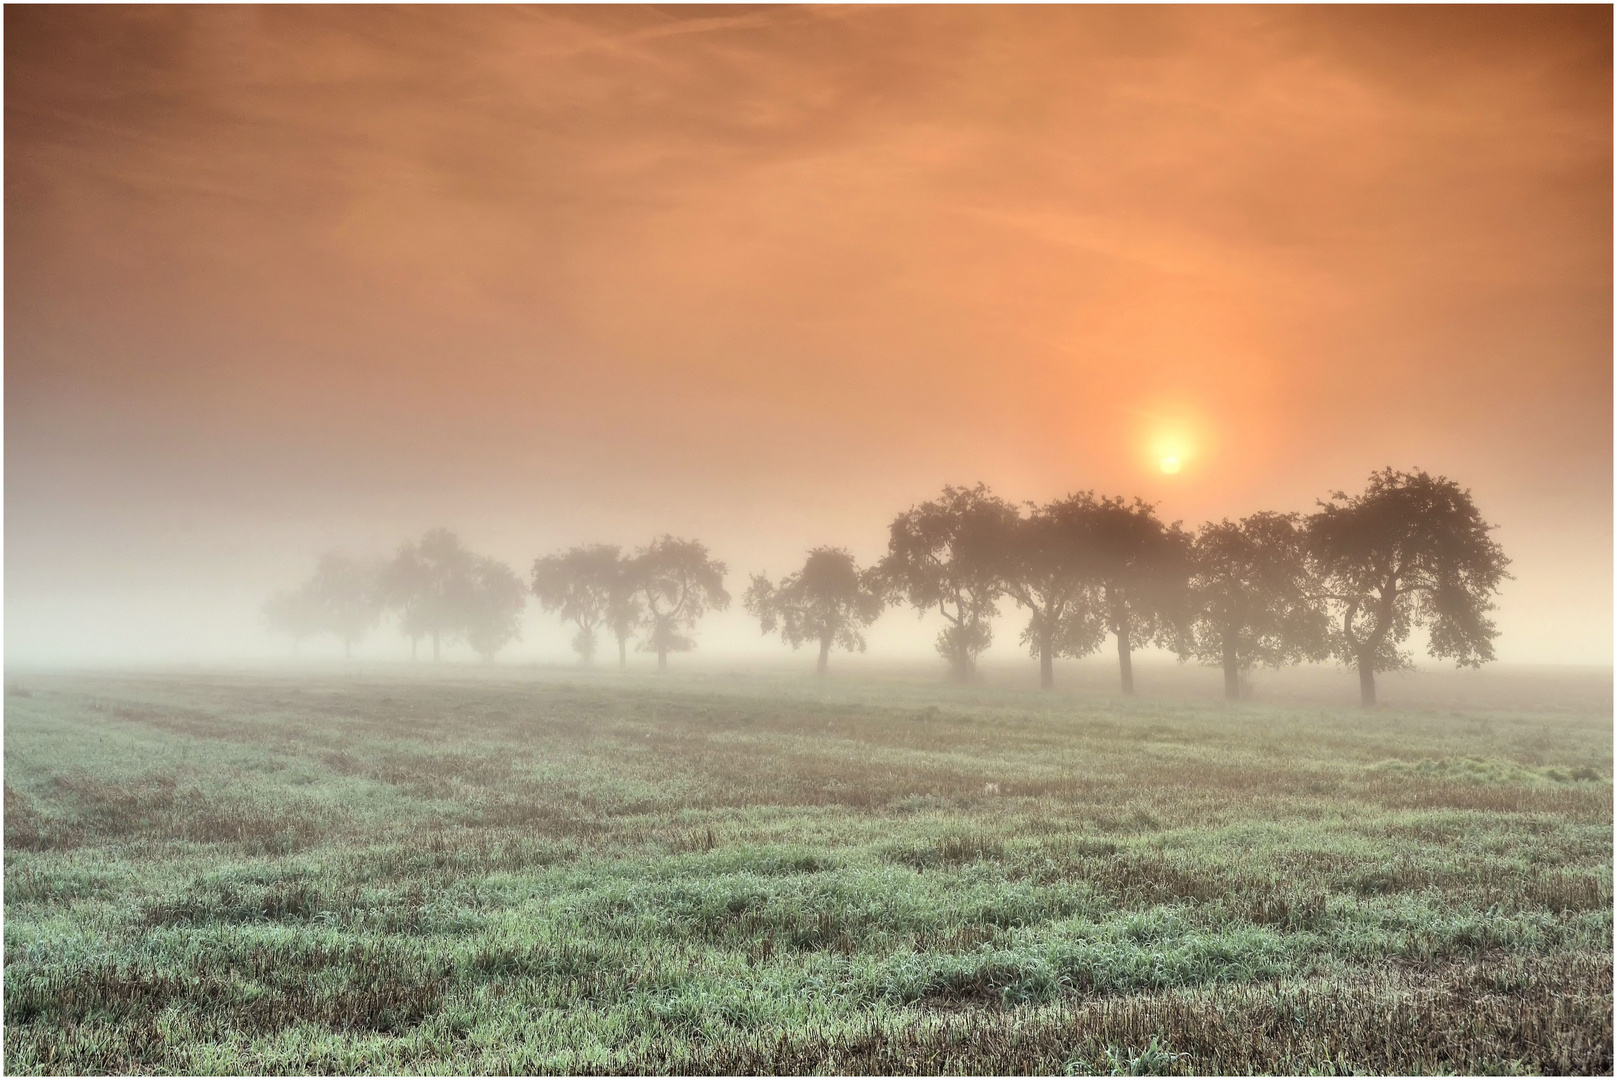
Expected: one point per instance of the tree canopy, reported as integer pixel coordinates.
(1049, 564)
(828, 602)
(341, 598)
(1252, 598)
(424, 585)
(580, 585)
(491, 616)
(945, 555)
(677, 581)
(1411, 551)
(1140, 568)
(442, 591)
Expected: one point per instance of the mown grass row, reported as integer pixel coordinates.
(1546, 1014)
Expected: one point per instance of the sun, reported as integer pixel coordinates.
(1170, 448)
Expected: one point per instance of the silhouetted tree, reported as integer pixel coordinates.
(578, 584)
(1252, 599)
(1142, 569)
(624, 611)
(1411, 551)
(428, 584)
(829, 601)
(945, 554)
(677, 581)
(1050, 564)
(492, 606)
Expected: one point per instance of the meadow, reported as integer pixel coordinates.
(406, 872)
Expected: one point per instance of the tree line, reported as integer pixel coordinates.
(1349, 582)
(434, 587)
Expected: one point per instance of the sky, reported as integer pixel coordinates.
(289, 279)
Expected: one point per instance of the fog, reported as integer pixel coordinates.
(151, 610)
(288, 281)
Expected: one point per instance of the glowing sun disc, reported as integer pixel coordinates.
(1170, 464)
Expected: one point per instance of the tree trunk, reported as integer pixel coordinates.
(435, 646)
(662, 658)
(1047, 664)
(1125, 658)
(1232, 670)
(1367, 682)
(960, 666)
(623, 653)
(413, 643)
(825, 656)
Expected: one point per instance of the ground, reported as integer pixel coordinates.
(396, 872)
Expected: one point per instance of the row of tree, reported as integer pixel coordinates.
(438, 590)
(659, 593)
(434, 587)
(1349, 582)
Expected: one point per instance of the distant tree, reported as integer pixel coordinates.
(341, 599)
(405, 588)
(428, 584)
(1413, 550)
(624, 610)
(945, 555)
(296, 613)
(493, 606)
(829, 602)
(1142, 569)
(347, 591)
(677, 581)
(1050, 564)
(1252, 599)
(578, 584)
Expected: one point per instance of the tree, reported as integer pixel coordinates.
(1411, 551)
(293, 612)
(579, 585)
(1141, 567)
(341, 598)
(493, 604)
(624, 611)
(829, 601)
(427, 583)
(1253, 601)
(677, 581)
(1049, 565)
(405, 588)
(346, 591)
(944, 554)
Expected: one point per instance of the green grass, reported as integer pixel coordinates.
(354, 873)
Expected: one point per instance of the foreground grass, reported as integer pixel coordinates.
(267, 874)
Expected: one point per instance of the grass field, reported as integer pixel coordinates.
(400, 873)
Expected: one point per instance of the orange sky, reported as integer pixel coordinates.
(283, 278)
